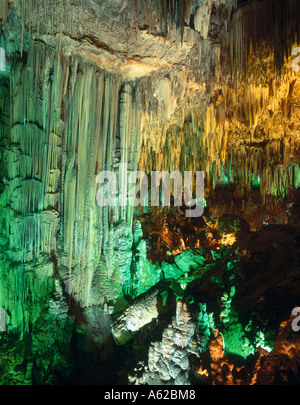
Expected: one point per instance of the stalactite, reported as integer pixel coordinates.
(70, 120)
(3, 10)
(172, 14)
(80, 119)
(249, 124)
(274, 22)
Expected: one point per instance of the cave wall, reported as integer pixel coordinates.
(158, 85)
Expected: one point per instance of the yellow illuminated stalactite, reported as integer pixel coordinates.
(81, 120)
(3, 9)
(248, 130)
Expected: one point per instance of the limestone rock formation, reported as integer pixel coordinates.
(168, 362)
(145, 295)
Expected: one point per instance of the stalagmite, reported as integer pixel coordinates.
(142, 311)
(154, 85)
(168, 360)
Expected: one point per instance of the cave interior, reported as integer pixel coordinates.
(125, 293)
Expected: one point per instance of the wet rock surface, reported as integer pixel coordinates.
(124, 295)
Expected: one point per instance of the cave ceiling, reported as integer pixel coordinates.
(159, 86)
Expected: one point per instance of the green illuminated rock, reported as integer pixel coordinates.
(156, 85)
